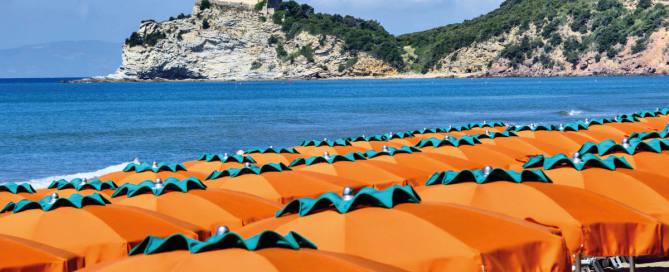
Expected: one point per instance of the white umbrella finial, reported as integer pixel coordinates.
(53, 198)
(222, 230)
(487, 170)
(158, 183)
(347, 194)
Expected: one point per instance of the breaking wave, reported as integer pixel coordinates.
(44, 182)
(571, 113)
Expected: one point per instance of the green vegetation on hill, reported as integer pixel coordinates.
(543, 31)
(602, 25)
(358, 35)
(150, 40)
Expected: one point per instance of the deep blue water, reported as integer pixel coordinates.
(49, 128)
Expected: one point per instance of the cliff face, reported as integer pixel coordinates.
(550, 38)
(521, 38)
(235, 42)
(483, 59)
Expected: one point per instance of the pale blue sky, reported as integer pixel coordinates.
(27, 22)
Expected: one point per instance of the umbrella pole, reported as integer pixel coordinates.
(577, 262)
(632, 264)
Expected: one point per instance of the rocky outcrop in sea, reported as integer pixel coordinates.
(235, 42)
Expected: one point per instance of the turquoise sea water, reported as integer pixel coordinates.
(50, 129)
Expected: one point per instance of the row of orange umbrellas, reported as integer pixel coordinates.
(466, 226)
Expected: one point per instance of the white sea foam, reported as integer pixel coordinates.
(571, 113)
(44, 182)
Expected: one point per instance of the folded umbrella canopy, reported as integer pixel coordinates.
(468, 148)
(591, 224)
(11, 191)
(664, 133)
(554, 142)
(138, 172)
(376, 145)
(208, 163)
(486, 175)
(646, 192)
(391, 227)
(650, 161)
(24, 255)
(656, 123)
(317, 147)
(86, 225)
(272, 155)
(631, 127)
(66, 188)
(513, 144)
(282, 186)
(207, 209)
(605, 131)
(353, 166)
(267, 251)
(421, 165)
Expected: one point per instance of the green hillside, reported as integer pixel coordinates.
(601, 25)
(359, 35)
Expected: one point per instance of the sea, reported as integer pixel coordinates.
(51, 130)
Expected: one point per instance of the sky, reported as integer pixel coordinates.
(27, 22)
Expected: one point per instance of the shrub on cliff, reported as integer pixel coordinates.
(260, 5)
(205, 4)
(358, 35)
(605, 25)
(151, 39)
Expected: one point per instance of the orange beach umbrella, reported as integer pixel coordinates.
(592, 225)
(24, 255)
(429, 237)
(361, 171)
(284, 186)
(98, 233)
(271, 259)
(207, 209)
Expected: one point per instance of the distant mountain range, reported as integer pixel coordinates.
(60, 59)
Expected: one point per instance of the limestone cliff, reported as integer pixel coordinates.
(482, 59)
(236, 42)
(550, 38)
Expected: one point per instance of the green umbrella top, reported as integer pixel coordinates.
(448, 141)
(224, 157)
(366, 197)
(158, 187)
(53, 202)
(494, 134)
(578, 162)
(226, 240)
(82, 184)
(651, 135)
(249, 169)
(155, 167)
(427, 130)
(487, 175)
(628, 146)
(486, 124)
(390, 151)
(326, 142)
(327, 158)
(16, 188)
(271, 150)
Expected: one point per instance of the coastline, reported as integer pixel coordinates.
(108, 79)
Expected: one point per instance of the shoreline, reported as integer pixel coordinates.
(107, 79)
